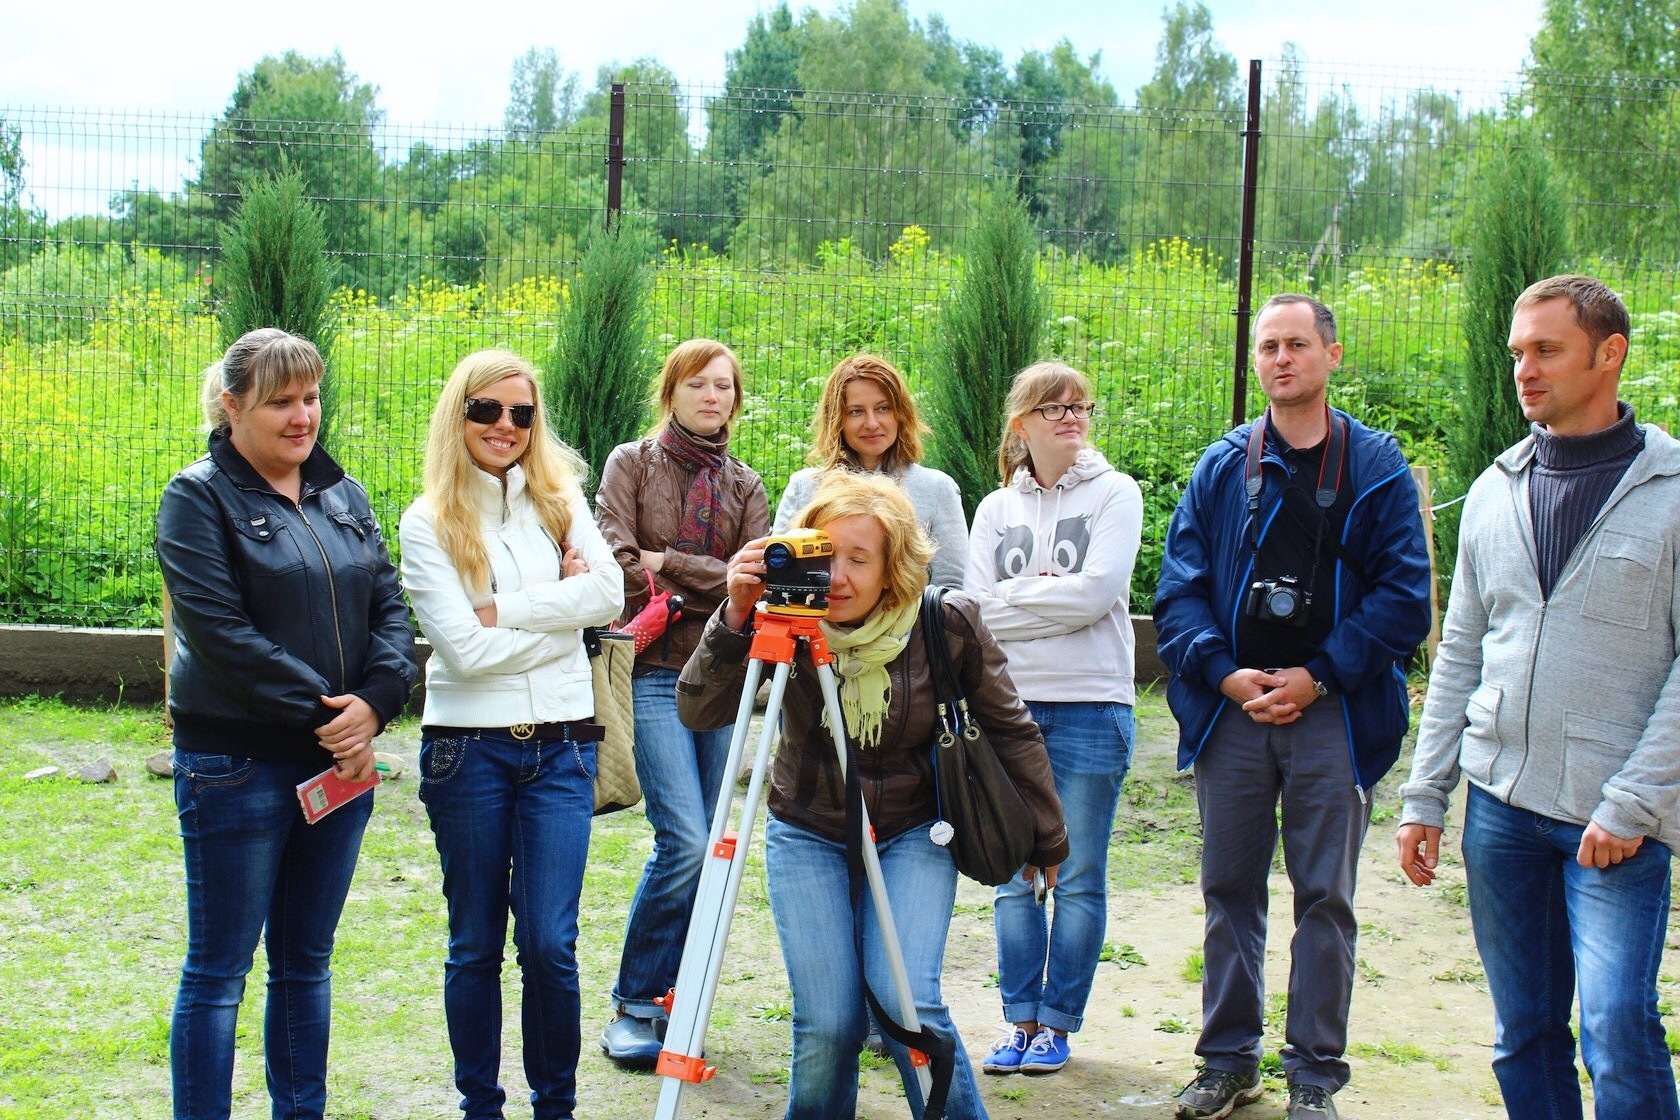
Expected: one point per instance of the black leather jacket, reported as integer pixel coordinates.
(276, 605)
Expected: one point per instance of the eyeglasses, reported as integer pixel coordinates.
(1082, 410)
(483, 410)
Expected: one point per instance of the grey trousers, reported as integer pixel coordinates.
(1244, 771)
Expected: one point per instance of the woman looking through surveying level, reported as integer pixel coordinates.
(879, 569)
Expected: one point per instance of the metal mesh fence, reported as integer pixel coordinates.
(798, 227)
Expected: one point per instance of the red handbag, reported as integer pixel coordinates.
(651, 622)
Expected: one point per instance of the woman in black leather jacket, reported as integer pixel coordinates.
(294, 650)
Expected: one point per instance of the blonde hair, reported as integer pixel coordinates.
(554, 473)
(1038, 384)
(829, 447)
(688, 359)
(255, 369)
(843, 493)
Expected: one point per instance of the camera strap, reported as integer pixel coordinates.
(1330, 469)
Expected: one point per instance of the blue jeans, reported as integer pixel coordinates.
(1542, 921)
(1045, 968)
(810, 900)
(681, 772)
(254, 864)
(511, 821)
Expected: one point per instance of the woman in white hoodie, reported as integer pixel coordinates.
(1050, 559)
(504, 565)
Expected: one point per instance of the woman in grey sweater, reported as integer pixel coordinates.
(866, 421)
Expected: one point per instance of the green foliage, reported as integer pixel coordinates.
(19, 225)
(307, 115)
(1601, 84)
(1517, 236)
(990, 330)
(542, 98)
(275, 273)
(595, 382)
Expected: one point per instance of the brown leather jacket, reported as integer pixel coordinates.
(639, 506)
(806, 788)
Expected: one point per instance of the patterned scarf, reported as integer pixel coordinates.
(697, 532)
(864, 653)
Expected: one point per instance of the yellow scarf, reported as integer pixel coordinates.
(863, 654)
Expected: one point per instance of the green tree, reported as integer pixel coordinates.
(308, 115)
(990, 329)
(760, 82)
(275, 272)
(595, 381)
(1602, 85)
(1189, 116)
(1518, 226)
(853, 168)
(21, 227)
(542, 98)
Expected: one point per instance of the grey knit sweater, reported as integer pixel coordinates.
(1567, 707)
(938, 503)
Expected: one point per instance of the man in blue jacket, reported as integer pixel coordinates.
(1294, 584)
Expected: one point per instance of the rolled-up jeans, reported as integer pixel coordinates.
(1045, 967)
(254, 865)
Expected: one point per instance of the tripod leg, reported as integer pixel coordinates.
(681, 1061)
(877, 885)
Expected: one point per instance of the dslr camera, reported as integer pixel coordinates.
(796, 571)
(1281, 600)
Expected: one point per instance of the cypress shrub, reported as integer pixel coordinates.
(596, 380)
(990, 329)
(275, 272)
(1518, 234)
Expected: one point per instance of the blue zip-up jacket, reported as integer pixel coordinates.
(1381, 610)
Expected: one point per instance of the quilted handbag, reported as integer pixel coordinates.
(612, 654)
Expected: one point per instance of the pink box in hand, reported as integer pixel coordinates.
(327, 791)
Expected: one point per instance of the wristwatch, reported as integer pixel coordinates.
(1321, 688)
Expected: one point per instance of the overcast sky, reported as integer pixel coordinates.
(437, 64)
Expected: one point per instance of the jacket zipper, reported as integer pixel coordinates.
(332, 590)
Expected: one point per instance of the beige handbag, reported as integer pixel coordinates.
(611, 657)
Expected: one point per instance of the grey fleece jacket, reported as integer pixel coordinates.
(1568, 707)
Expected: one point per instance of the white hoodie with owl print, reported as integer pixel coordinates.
(1052, 569)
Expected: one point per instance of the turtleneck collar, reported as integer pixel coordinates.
(1622, 439)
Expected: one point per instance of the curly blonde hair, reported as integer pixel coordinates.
(843, 493)
(829, 448)
(554, 473)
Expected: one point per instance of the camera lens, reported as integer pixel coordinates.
(1282, 602)
(778, 556)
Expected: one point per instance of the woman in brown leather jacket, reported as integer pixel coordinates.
(675, 506)
(878, 570)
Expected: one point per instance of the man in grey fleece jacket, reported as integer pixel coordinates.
(1556, 692)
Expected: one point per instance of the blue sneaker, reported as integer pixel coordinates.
(1046, 1053)
(1006, 1053)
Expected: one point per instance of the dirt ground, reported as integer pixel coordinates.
(1420, 1031)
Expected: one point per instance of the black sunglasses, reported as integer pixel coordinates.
(483, 410)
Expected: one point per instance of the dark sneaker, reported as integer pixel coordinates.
(631, 1042)
(1310, 1102)
(1215, 1092)
(1006, 1053)
(1046, 1053)
(874, 1043)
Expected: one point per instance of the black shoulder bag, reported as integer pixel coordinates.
(989, 827)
